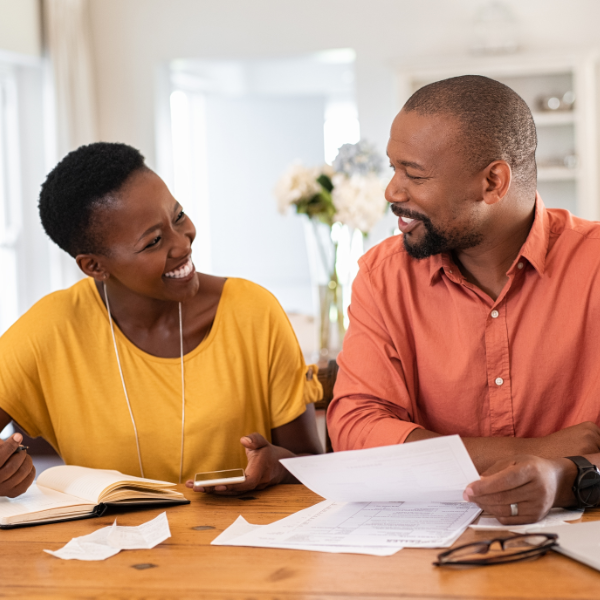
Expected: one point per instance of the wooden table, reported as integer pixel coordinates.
(186, 566)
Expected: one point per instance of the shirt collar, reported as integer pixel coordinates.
(534, 249)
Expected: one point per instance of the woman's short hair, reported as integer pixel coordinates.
(81, 182)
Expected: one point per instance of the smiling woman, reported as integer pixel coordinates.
(148, 366)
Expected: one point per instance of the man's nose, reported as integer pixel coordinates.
(395, 193)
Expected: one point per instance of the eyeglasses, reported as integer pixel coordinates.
(512, 549)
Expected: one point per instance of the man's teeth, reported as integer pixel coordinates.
(182, 272)
(407, 220)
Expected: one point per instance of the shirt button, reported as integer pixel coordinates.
(494, 314)
(499, 381)
(450, 271)
(519, 265)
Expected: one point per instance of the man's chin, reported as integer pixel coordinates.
(419, 251)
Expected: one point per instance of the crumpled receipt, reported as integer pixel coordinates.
(108, 541)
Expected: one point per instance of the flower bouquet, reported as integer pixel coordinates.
(348, 193)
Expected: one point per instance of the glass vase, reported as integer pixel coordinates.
(331, 319)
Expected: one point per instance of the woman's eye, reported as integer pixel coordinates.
(180, 216)
(153, 242)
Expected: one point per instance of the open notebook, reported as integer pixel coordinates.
(69, 492)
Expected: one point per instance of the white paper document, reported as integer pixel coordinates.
(379, 528)
(556, 516)
(435, 470)
(108, 541)
(377, 501)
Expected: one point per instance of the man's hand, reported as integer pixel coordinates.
(16, 468)
(534, 484)
(263, 470)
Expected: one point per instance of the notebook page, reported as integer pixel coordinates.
(89, 484)
(35, 499)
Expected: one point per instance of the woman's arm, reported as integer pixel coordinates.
(297, 438)
(16, 468)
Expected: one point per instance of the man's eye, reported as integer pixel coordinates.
(180, 216)
(413, 177)
(153, 242)
(392, 167)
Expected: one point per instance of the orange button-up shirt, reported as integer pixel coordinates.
(426, 348)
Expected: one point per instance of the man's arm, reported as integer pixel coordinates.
(578, 440)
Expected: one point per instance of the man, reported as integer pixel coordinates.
(482, 318)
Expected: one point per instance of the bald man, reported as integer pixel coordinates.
(483, 318)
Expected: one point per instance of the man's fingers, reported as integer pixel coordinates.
(528, 513)
(525, 493)
(512, 477)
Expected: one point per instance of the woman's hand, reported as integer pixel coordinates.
(263, 470)
(534, 484)
(16, 468)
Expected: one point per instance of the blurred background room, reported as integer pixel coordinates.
(241, 107)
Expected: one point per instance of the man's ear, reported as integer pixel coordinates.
(92, 266)
(498, 176)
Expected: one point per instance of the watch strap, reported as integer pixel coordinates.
(581, 462)
(583, 466)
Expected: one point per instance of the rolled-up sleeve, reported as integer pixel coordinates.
(372, 404)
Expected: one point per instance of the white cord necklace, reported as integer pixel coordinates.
(137, 442)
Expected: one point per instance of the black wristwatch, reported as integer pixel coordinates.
(587, 483)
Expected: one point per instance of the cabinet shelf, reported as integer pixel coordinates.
(549, 119)
(556, 174)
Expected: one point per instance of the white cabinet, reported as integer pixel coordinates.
(567, 154)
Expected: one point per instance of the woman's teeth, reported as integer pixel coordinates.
(182, 272)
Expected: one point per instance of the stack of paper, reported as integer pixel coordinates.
(378, 501)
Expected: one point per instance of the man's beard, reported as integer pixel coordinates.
(435, 241)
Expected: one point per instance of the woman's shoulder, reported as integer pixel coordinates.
(57, 307)
(250, 294)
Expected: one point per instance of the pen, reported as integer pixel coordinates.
(21, 448)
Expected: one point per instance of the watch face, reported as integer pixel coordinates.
(589, 488)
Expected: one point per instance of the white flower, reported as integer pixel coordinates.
(359, 200)
(296, 183)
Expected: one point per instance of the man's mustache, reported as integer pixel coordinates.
(409, 214)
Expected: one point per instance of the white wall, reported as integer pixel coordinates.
(20, 29)
(250, 141)
(132, 36)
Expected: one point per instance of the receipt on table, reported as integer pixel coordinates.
(556, 516)
(108, 541)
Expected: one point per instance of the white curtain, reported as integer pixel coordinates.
(67, 34)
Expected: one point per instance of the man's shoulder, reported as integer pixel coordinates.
(563, 222)
(390, 253)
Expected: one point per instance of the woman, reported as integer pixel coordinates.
(148, 366)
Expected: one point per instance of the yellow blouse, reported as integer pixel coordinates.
(59, 379)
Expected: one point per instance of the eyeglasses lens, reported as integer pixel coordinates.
(471, 551)
(526, 542)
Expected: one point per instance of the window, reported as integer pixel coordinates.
(10, 198)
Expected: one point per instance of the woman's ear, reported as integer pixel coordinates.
(92, 267)
(498, 176)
